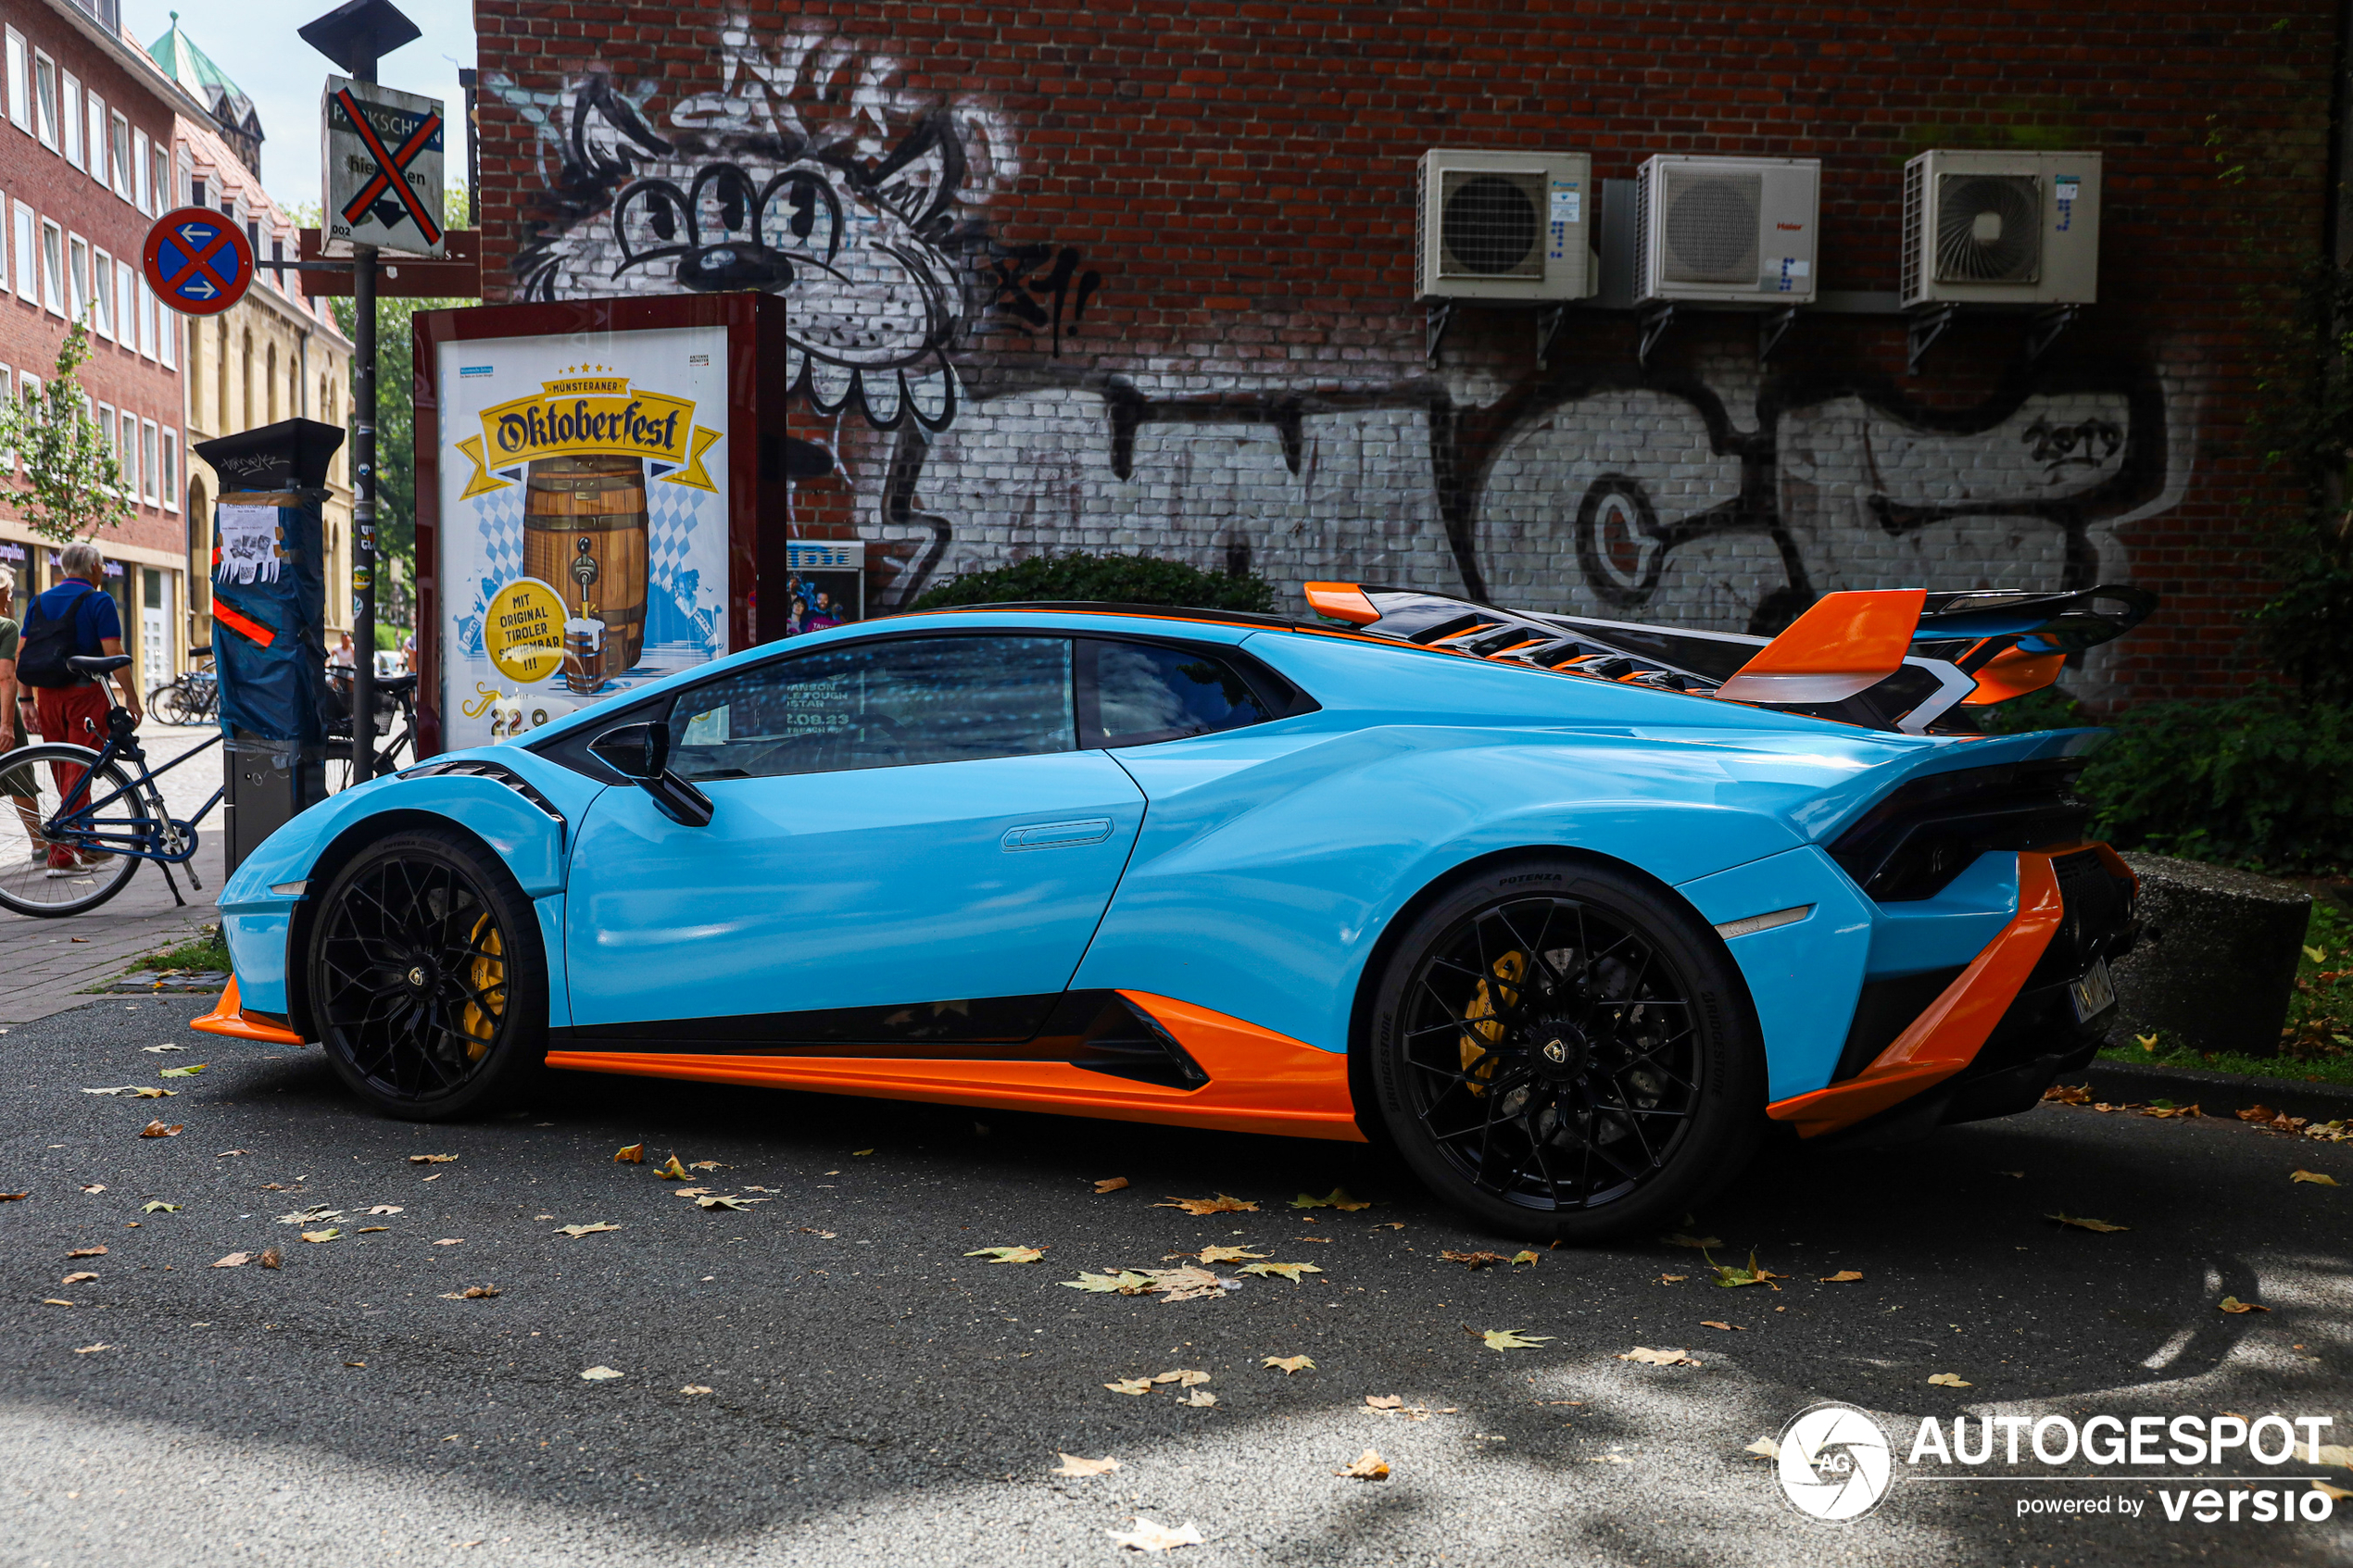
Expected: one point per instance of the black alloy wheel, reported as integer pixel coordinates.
(1564, 1050)
(427, 983)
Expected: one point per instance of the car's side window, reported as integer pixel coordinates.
(884, 704)
(1147, 691)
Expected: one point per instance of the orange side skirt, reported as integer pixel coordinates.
(1948, 1035)
(227, 1019)
(1259, 1081)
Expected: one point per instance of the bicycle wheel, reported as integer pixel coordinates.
(82, 866)
(173, 703)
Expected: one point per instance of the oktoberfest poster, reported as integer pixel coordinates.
(583, 546)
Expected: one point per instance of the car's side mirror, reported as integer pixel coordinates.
(640, 753)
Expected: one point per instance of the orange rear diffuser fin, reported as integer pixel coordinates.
(1846, 643)
(1342, 601)
(2014, 672)
(228, 1017)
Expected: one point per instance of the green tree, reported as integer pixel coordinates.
(74, 481)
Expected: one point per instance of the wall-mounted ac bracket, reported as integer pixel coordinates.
(1442, 315)
(1655, 320)
(1548, 327)
(1921, 332)
(2044, 330)
(1770, 330)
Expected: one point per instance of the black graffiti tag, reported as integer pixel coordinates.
(2088, 444)
(1023, 278)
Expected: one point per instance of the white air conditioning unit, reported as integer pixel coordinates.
(1503, 226)
(1726, 230)
(2001, 228)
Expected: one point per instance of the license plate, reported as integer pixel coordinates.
(2092, 995)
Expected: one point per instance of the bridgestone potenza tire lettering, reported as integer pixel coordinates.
(428, 986)
(1564, 1050)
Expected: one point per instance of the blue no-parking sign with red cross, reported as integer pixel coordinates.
(197, 261)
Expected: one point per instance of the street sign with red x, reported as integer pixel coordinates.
(197, 261)
(383, 161)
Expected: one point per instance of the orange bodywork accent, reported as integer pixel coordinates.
(1342, 601)
(1860, 632)
(2014, 672)
(1948, 1035)
(1259, 1081)
(226, 1018)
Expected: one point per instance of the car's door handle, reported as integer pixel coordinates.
(1058, 835)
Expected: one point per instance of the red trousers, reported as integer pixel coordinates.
(73, 714)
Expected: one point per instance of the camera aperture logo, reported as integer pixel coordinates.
(1834, 1462)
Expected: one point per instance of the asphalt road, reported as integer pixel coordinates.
(876, 1397)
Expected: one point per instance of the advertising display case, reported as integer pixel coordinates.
(600, 485)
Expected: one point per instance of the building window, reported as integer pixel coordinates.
(123, 169)
(53, 268)
(168, 470)
(70, 116)
(198, 193)
(131, 485)
(148, 306)
(96, 119)
(142, 163)
(158, 180)
(105, 414)
(44, 99)
(126, 304)
(77, 278)
(148, 475)
(102, 295)
(7, 390)
(19, 82)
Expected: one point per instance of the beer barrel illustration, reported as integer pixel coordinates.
(584, 534)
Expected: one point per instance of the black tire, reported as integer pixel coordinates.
(175, 704)
(428, 986)
(1604, 1088)
(28, 884)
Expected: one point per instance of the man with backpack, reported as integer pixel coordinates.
(76, 617)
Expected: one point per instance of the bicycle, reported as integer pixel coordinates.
(193, 699)
(396, 697)
(60, 792)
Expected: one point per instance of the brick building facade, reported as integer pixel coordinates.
(1138, 276)
(86, 144)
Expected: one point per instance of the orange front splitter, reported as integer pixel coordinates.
(226, 1018)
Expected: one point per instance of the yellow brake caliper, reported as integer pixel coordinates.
(489, 977)
(1486, 1029)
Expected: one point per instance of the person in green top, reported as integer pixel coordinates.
(16, 706)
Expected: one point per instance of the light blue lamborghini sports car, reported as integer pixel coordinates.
(1567, 912)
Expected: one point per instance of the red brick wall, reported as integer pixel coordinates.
(1245, 383)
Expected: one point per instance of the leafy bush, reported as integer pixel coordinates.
(2257, 782)
(1133, 580)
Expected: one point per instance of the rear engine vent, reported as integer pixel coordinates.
(1914, 843)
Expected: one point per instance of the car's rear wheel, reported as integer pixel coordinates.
(1566, 1052)
(428, 986)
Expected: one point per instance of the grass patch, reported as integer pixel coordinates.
(2316, 1044)
(208, 951)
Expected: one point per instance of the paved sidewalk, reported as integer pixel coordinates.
(50, 964)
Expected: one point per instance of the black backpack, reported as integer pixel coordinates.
(47, 644)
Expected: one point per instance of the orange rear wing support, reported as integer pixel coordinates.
(1846, 643)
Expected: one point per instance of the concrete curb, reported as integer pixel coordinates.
(2218, 1092)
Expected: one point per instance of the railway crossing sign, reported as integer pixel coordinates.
(383, 160)
(197, 261)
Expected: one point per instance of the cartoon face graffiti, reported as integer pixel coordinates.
(862, 250)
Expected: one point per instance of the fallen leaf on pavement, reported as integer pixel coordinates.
(460, 1241)
(188, 1071)
(695, 1389)
(1287, 1364)
(1649, 1357)
(2069, 1094)
(1672, 1279)
(1843, 1276)
(1127, 1281)
(2323, 1453)
(1148, 1536)
(1073, 1465)
(1679, 1239)
(1391, 1226)
(634, 1154)
(598, 1375)
(1007, 1254)
(270, 1258)
(1131, 1386)
(673, 1172)
(1512, 1340)
(688, 1192)
(1111, 1183)
(95, 1187)
(736, 1204)
(574, 1231)
(157, 1130)
(821, 1235)
(76, 1279)
(160, 1050)
(160, 1208)
(1726, 1328)
(86, 1349)
(705, 1166)
(2232, 1304)
(310, 1216)
(860, 1153)
(1200, 1399)
(2085, 1224)
(1519, 1258)
(87, 1252)
(1181, 1377)
(356, 1364)
(2257, 1114)
(1220, 1254)
(235, 1261)
(1336, 1198)
(134, 1090)
(328, 1235)
(1732, 1278)
(1191, 1284)
(1221, 1204)
(2164, 1109)
(433, 1159)
(55, 1301)
(2339, 1493)
(472, 1293)
(1472, 1259)
(1763, 1447)
(1949, 1380)
(1288, 1270)
(2314, 1177)
(1369, 1466)
(388, 1209)
(1385, 1401)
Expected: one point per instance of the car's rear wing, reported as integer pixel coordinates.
(1896, 659)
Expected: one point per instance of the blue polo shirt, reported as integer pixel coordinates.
(93, 624)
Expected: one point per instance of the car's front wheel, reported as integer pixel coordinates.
(1564, 1050)
(428, 986)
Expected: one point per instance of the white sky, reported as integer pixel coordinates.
(255, 42)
